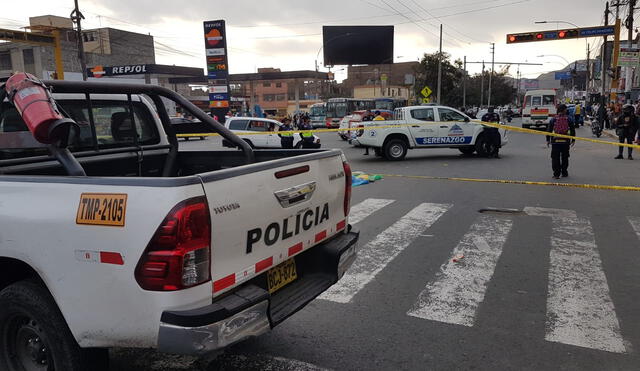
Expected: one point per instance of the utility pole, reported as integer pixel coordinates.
(464, 82)
(628, 70)
(76, 17)
(482, 86)
(440, 67)
(604, 69)
(493, 54)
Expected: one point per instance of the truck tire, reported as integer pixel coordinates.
(482, 145)
(395, 150)
(34, 335)
(467, 150)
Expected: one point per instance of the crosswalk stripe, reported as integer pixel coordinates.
(375, 255)
(579, 308)
(635, 223)
(459, 288)
(366, 208)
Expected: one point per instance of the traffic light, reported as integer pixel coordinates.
(571, 33)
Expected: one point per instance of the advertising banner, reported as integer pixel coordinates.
(629, 57)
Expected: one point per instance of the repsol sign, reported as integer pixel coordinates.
(287, 228)
(133, 69)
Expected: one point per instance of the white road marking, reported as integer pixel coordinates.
(459, 288)
(375, 255)
(635, 223)
(366, 208)
(579, 308)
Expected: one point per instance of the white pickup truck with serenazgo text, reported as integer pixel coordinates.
(426, 126)
(112, 237)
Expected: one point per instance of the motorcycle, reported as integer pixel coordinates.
(596, 128)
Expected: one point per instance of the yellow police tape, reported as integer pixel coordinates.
(490, 124)
(527, 182)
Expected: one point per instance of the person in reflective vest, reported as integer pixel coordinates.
(286, 139)
(307, 136)
(561, 124)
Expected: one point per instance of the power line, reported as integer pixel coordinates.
(429, 23)
(410, 20)
(449, 26)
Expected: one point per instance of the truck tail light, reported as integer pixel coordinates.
(179, 254)
(347, 187)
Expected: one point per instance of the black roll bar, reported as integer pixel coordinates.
(60, 86)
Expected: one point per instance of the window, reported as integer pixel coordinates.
(450, 115)
(266, 84)
(548, 100)
(238, 125)
(5, 61)
(29, 61)
(112, 121)
(423, 114)
(269, 97)
(257, 125)
(536, 101)
(280, 97)
(278, 84)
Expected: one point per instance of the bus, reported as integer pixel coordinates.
(337, 108)
(318, 114)
(390, 104)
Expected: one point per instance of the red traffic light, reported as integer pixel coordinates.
(539, 36)
(562, 34)
(512, 38)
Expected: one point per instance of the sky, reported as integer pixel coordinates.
(287, 34)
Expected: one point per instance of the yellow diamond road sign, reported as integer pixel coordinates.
(426, 92)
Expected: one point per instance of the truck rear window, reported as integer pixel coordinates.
(112, 121)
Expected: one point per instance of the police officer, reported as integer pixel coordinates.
(494, 142)
(307, 136)
(286, 139)
(626, 128)
(561, 124)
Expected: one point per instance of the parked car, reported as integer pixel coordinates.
(248, 127)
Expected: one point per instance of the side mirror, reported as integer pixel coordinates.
(466, 119)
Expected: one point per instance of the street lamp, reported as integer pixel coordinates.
(554, 55)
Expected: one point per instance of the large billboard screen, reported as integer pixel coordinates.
(350, 45)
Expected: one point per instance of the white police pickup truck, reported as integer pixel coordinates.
(426, 126)
(111, 237)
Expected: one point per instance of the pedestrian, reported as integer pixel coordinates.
(286, 139)
(494, 141)
(626, 128)
(561, 124)
(602, 117)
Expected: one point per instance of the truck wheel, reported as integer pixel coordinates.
(482, 146)
(467, 150)
(34, 335)
(395, 149)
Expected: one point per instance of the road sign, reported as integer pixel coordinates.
(563, 75)
(426, 100)
(426, 92)
(569, 33)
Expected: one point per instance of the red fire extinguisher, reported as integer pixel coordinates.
(38, 110)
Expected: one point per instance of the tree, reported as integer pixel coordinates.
(427, 75)
(502, 91)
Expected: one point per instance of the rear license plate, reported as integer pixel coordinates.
(281, 275)
(102, 209)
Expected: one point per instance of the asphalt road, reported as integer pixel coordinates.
(551, 284)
